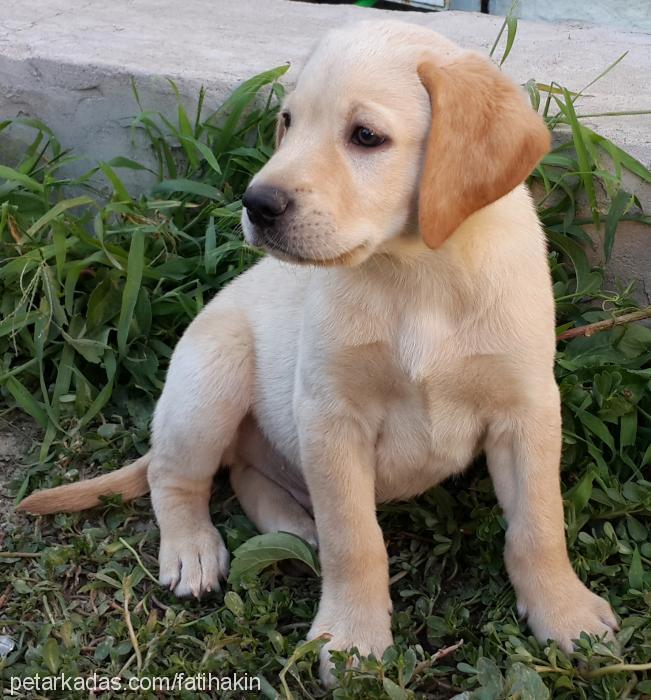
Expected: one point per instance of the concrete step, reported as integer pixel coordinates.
(71, 65)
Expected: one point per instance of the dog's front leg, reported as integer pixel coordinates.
(339, 464)
(206, 396)
(523, 455)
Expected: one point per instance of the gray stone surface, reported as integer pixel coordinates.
(70, 64)
(631, 14)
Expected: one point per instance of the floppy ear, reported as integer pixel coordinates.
(484, 140)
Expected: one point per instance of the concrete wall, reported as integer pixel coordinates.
(618, 14)
(629, 15)
(71, 65)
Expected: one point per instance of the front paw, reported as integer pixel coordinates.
(367, 630)
(566, 611)
(192, 563)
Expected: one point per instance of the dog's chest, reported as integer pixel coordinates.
(419, 394)
(428, 432)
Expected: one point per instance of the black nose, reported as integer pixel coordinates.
(264, 204)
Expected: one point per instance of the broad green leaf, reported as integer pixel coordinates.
(636, 572)
(581, 492)
(51, 654)
(393, 690)
(103, 303)
(597, 427)
(628, 430)
(523, 682)
(90, 350)
(234, 603)
(263, 550)
(646, 459)
(637, 531)
(490, 678)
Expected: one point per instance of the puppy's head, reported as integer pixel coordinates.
(392, 131)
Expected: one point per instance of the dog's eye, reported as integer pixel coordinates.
(287, 119)
(363, 136)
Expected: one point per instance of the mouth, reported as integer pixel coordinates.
(282, 253)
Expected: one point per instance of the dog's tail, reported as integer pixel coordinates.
(128, 482)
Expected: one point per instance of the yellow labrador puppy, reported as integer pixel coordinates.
(417, 333)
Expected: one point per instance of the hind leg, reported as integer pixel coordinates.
(207, 393)
(271, 491)
(269, 506)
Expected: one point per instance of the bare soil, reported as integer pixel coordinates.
(17, 435)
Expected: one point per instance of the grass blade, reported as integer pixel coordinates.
(135, 267)
(56, 211)
(12, 175)
(582, 155)
(512, 27)
(618, 206)
(200, 189)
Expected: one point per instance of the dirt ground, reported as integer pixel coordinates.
(17, 435)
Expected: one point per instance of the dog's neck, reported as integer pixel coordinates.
(467, 270)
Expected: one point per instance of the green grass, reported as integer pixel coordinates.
(95, 292)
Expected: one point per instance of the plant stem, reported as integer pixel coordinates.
(604, 325)
(126, 592)
(616, 668)
(445, 651)
(139, 560)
